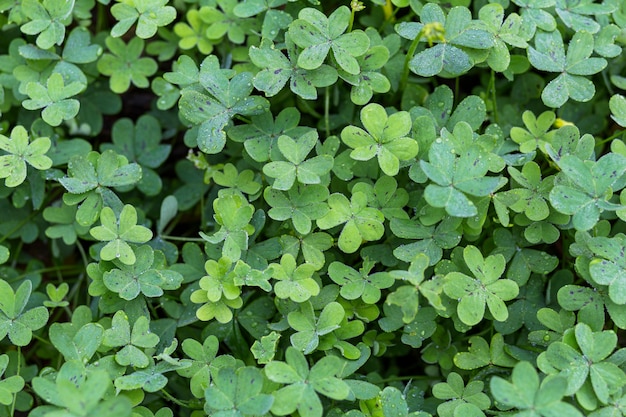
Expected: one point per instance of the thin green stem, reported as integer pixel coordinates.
(19, 226)
(182, 239)
(19, 369)
(492, 87)
(610, 138)
(407, 60)
(327, 111)
(175, 400)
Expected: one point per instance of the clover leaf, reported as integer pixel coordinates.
(132, 342)
(150, 379)
(78, 340)
(386, 196)
(576, 15)
(407, 296)
(526, 393)
(222, 20)
(243, 182)
(278, 69)
(191, 33)
(303, 384)
(549, 55)
(147, 275)
(54, 98)
(118, 232)
(319, 35)
(237, 393)
(264, 349)
(481, 354)
(385, 138)
(312, 246)
(426, 240)
(218, 293)
(11, 385)
(89, 179)
(15, 321)
(586, 192)
(294, 282)
(309, 328)
(586, 362)
(233, 213)
(609, 265)
(124, 64)
(140, 143)
(453, 177)
(360, 284)
(149, 15)
(203, 362)
(296, 166)
(76, 392)
(538, 131)
(360, 222)
(470, 398)
(485, 288)
(260, 136)
(369, 80)
(47, 20)
(531, 198)
(505, 31)
(301, 204)
(228, 94)
(450, 56)
(20, 152)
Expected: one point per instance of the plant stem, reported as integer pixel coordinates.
(327, 111)
(182, 239)
(407, 60)
(17, 372)
(492, 87)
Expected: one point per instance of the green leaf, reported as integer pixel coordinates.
(149, 15)
(617, 103)
(54, 99)
(227, 96)
(385, 138)
(20, 152)
(125, 66)
(318, 35)
(15, 320)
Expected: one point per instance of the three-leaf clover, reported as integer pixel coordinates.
(118, 233)
(149, 15)
(88, 181)
(47, 20)
(301, 204)
(16, 322)
(228, 95)
(124, 64)
(309, 328)
(505, 31)
(450, 56)
(237, 393)
(54, 99)
(538, 131)
(319, 35)
(146, 275)
(297, 166)
(360, 222)
(609, 265)
(585, 362)
(132, 342)
(532, 398)
(303, 385)
(485, 287)
(549, 55)
(461, 399)
(588, 187)
(386, 138)
(20, 152)
(218, 293)
(294, 281)
(453, 177)
(278, 69)
(360, 284)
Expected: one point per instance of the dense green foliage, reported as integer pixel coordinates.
(382, 208)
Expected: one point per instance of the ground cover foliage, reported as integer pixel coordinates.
(382, 208)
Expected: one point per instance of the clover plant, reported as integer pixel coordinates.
(305, 208)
